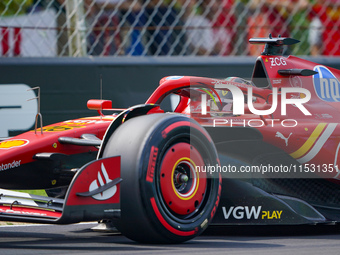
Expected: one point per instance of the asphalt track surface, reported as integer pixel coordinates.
(80, 239)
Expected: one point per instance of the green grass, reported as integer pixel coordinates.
(39, 192)
(32, 192)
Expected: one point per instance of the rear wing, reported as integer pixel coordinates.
(273, 46)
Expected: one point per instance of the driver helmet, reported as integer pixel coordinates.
(227, 97)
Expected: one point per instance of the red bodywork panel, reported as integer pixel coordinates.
(314, 140)
(23, 147)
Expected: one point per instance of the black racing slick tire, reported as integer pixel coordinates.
(167, 196)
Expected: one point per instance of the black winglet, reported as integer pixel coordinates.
(274, 41)
(273, 46)
(300, 72)
(100, 189)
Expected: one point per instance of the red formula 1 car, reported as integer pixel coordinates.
(233, 151)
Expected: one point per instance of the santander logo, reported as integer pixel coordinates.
(102, 179)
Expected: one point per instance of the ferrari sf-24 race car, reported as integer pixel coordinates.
(262, 151)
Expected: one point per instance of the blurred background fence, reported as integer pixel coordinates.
(56, 28)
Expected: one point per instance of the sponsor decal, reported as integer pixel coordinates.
(152, 164)
(100, 181)
(29, 211)
(88, 121)
(213, 211)
(241, 212)
(295, 81)
(250, 212)
(174, 77)
(6, 166)
(280, 135)
(22, 212)
(9, 144)
(60, 128)
(219, 82)
(326, 85)
(323, 116)
(97, 183)
(277, 61)
(297, 97)
(271, 215)
(277, 81)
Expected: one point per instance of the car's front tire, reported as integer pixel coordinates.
(166, 194)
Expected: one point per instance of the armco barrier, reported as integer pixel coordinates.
(67, 83)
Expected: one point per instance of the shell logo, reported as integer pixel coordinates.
(13, 143)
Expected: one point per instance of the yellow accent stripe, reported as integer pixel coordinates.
(172, 179)
(310, 141)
